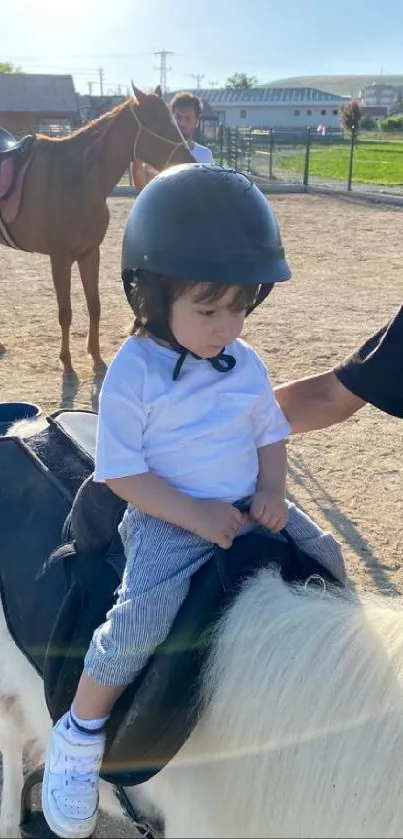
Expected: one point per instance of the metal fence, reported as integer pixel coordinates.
(311, 157)
(373, 162)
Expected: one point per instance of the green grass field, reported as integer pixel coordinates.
(374, 163)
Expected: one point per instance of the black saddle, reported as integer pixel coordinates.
(60, 565)
(10, 147)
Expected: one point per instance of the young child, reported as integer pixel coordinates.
(188, 425)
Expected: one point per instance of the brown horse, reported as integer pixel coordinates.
(63, 211)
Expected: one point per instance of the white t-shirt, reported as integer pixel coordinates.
(199, 433)
(201, 153)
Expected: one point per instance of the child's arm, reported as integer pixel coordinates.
(273, 469)
(216, 521)
(270, 430)
(268, 504)
(155, 497)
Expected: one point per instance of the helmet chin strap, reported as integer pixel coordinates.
(222, 362)
(263, 293)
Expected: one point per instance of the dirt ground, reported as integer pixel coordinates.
(346, 260)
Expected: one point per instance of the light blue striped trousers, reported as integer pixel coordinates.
(160, 561)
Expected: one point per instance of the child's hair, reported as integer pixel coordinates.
(153, 294)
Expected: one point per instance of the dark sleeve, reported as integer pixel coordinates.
(374, 372)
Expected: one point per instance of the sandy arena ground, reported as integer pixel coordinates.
(346, 259)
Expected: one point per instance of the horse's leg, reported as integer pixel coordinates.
(11, 747)
(88, 265)
(61, 273)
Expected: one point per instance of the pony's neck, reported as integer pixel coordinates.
(114, 149)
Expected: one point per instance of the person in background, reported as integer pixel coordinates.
(186, 109)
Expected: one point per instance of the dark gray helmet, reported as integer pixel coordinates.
(203, 223)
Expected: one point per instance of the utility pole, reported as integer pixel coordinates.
(90, 86)
(163, 69)
(212, 84)
(199, 77)
(101, 80)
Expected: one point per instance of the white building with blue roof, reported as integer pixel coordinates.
(273, 107)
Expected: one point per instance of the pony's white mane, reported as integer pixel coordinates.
(302, 730)
(26, 428)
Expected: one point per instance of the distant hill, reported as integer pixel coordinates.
(342, 85)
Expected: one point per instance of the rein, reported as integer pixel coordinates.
(142, 127)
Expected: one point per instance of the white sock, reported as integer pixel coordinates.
(82, 730)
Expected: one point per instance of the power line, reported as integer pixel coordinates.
(82, 55)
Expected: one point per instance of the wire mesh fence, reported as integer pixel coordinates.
(310, 156)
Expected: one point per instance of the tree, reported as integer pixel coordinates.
(8, 67)
(240, 81)
(398, 105)
(392, 123)
(351, 116)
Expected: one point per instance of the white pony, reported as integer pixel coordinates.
(301, 734)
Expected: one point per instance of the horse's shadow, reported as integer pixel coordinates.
(340, 523)
(69, 390)
(96, 389)
(70, 387)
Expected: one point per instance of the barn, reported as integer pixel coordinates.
(272, 107)
(35, 102)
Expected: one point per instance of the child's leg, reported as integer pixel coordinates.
(160, 562)
(319, 544)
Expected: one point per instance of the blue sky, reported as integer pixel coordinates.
(266, 38)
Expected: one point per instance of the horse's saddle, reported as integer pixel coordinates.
(60, 565)
(15, 157)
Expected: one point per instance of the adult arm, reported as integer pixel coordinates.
(316, 402)
(373, 373)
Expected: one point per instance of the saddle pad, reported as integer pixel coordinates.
(7, 168)
(33, 507)
(80, 427)
(10, 204)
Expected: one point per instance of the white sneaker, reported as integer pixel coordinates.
(70, 788)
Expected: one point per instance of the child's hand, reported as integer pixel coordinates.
(216, 521)
(269, 510)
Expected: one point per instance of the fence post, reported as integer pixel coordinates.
(307, 157)
(249, 152)
(350, 165)
(236, 148)
(228, 142)
(221, 143)
(271, 149)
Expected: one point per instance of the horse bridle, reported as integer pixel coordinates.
(142, 127)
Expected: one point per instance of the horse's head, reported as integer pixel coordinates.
(159, 142)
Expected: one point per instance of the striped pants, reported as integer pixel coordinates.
(160, 561)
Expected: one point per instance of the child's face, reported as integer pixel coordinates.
(202, 327)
